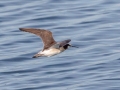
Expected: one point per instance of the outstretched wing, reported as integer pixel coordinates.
(63, 43)
(45, 35)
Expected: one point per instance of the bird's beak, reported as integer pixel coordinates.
(73, 46)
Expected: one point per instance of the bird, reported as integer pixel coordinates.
(50, 46)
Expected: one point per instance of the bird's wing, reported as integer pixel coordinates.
(45, 35)
(63, 43)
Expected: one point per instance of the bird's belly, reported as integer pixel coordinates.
(51, 52)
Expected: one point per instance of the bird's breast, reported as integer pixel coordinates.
(50, 52)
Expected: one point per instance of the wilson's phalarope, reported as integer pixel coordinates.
(51, 47)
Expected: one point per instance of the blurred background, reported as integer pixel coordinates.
(93, 26)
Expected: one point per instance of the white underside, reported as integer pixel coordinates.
(50, 52)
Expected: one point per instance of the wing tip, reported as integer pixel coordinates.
(68, 40)
(24, 29)
(21, 29)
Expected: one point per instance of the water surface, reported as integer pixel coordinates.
(94, 26)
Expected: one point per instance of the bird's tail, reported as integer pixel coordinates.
(37, 55)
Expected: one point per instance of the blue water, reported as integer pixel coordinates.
(93, 25)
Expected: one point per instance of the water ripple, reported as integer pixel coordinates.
(93, 26)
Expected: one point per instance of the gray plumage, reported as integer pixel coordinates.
(51, 47)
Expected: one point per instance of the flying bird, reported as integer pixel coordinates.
(51, 47)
